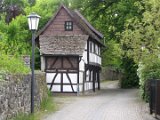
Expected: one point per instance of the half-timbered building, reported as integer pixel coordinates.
(70, 52)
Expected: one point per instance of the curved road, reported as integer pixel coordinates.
(111, 103)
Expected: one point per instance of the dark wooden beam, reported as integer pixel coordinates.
(94, 81)
(78, 75)
(98, 79)
(54, 63)
(70, 81)
(62, 62)
(45, 63)
(53, 81)
(69, 62)
(89, 75)
(61, 71)
(88, 51)
(68, 84)
(61, 82)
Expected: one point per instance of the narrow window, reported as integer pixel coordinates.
(68, 25)
(96, 47)
(93, 48)
(99, 51)
(90, 46)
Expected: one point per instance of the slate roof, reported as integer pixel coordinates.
(63, 45)
(80, 21)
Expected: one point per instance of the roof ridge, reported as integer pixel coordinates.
(73, 13)
(88, 24)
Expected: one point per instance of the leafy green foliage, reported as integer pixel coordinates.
(37, 59)
(110, 17)
(23, 116)
(48, 104)
(142, 36)
(111, 56)
(14, 65)
(44, 8)
(146, 72)
(11, 8)
(130, 78)
(128, 26)
(15, 38)
(141, 40)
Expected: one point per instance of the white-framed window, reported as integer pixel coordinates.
(68, 25)
(96, 49)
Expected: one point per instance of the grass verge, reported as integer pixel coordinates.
(47, 106)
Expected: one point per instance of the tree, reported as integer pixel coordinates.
(141, 39)
(11, 8)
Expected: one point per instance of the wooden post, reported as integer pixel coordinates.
(94, 81)
(61, 82)
(78, 61)
(98, 79)
(84, 79)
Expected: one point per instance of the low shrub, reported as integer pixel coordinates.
(23, 116)
(12, 65)
(47, 104)
(129, 78)
(148, 70)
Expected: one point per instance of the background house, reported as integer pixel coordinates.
(70, 52)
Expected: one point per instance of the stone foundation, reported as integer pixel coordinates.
(15, 94)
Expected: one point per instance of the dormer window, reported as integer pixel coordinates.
(68, 25)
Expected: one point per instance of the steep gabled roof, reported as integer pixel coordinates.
(80, 21)
(63, 45)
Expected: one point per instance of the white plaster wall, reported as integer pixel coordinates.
(50, 76)
(81, 65)
(73, 77)
(65, 79)
(42, 63)
(94, 58)
(91, 75)
(81, 77)
(99, 60)
(87, 75)
(84, 57)
(66, 88)
(80, 88)
(88, 86)
(56, 88)
(96, 85)
(86, 46)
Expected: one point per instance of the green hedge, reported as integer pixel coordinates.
(130, 78)
(12, 65)
(147, 70)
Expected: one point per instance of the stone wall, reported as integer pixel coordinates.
(15, 94)
(109, 73)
